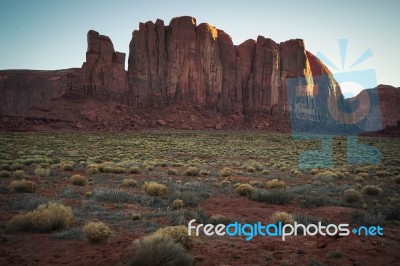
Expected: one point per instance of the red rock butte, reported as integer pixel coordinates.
(180, 64)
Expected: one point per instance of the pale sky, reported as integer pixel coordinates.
(51, 34)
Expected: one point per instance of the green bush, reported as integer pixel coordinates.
(96, 232)
(46, 218)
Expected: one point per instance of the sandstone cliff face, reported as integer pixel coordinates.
(21, 89)
(103, 73)
(189, 65)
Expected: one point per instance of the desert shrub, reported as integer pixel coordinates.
(115, 195)
(42, 170)
(314, 171)
(244, 189)
(397, 179)
(256, 183)
(92, 170)
(368, 218)
(160, 249)
(284, 217)
(67, 166)
(172, 171)
(180, 234)
(118, 170)
(17, 166)
(224, 183)
(275, 183)
(371, 190)
(382, 173)
(272, 196)
(192, 171)
(79, 180)
(5, 166)
(5, 173)
(96, 232)
(335, 255)
(127, 182)
(226, 171)
(359, 179)
(393, 212)
(136, 216)
(363, 175)
(265, 172)
(155, 189)
(326, 174)
(177, 204)
(23, 186)
(149, 167)
(351, 195)
(19, 174)
(46, 218)
(89, 194)
(295, 172)
(250, 169)
(134, 170)
(219, 219)
(203, 172)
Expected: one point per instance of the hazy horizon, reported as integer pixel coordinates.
(50, 35)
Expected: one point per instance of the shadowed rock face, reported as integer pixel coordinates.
(188, 64)
(21, 89)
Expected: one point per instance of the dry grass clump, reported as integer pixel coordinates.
(154, 189)
(160, 249)
(203, 172)
(172, 171)
(23, 186)
(46, 218)
(178, 204)
(359, 178)
(42, 170)
(275, 183)
(17, 166)
(226, 171)
(19, 174)
(284, 217)
(134, 170)
(179, 234)
(78, 180)
(244, 189)
(351, 195)
(372, 190)
(397, 179)
(92, 170)
(295, 172)
(96, 232)
(265, 172)
(224, 183)
(136, 216)
(257, 183)
(128, 182)
(314, 171)
(5, 173)
(192, 171)
(67, 166)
